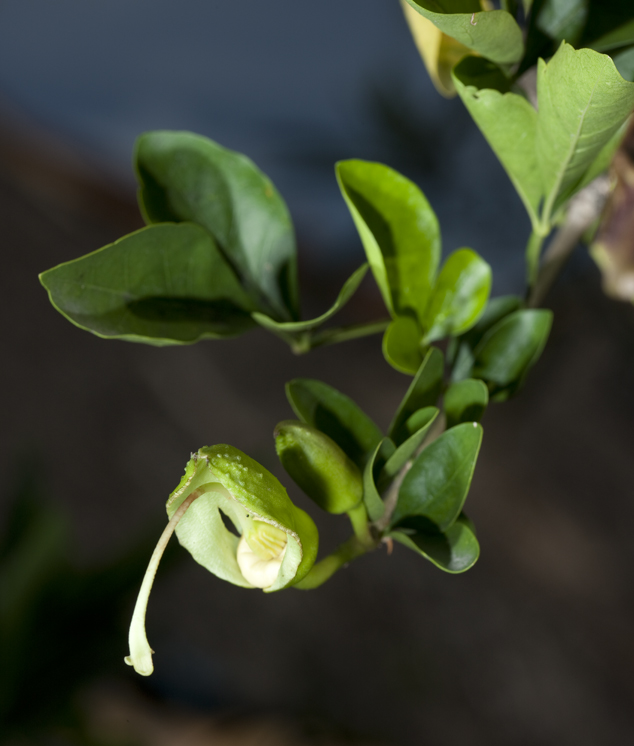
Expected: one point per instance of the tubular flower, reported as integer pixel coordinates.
(273, 545)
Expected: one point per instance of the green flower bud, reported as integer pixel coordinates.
(319, 466)
(274, 545)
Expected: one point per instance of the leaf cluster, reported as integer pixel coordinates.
(413, 481)
(217, 258)
(548, 83)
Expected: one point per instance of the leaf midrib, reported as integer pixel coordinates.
(449, 481)
(546, 214)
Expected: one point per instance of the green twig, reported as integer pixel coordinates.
(533, 251)
(326, 568)
(361, 526)
(391, 498)
(345, 333)
(583, 210)
(357, 545)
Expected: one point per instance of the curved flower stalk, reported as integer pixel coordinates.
(274, 547)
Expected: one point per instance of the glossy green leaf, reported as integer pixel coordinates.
(398, 229)
(459, 296)
(507, 121)
(417, 420)
(402, 345)
(187, 177)
(493, 34)
(563, 19)
(435, 488)
(465, 401)
(460, 352)
(425, 419)
(335, 414)
(371, 497)
(454, 551)
(582, 103)
(496, 309)
(511, 347)
(318, 466)
(423, 392)
(162, 285)
(293, 327)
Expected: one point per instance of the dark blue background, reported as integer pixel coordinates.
(294, 85)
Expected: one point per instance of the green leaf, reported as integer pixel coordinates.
(493, 34)
(434, 489)
(507, 121)
(336, 415)
(398, 229)
(563, 19)
(402, 345)
(417, 420)
(465, 401)
(459, 296)
(618, 37)
(164, 284)
(424, 419)
(510, 348)
(624, 63)
(550, 155)
(602, 162)
(454, 551)
(482, 74)
(423, 392)
(294, 327)
(318, 466)
(371, 497)
(582, 103)
(496, 310)
(186, 177)
(460, 354)
(440, 52)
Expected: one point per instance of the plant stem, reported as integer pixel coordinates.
(326, 568)
(437, 429)
(360, 525)
(361, 543)
(533, 250)
(366, 536)
(583, 209)
(345, 333)
(392, 497)
(140, 651)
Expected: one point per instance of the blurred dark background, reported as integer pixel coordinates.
(533, 646)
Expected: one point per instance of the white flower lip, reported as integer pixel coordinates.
(261, 573)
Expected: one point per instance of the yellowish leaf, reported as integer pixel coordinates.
(440, 52)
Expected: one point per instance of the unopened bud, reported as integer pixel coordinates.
(319, 466)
